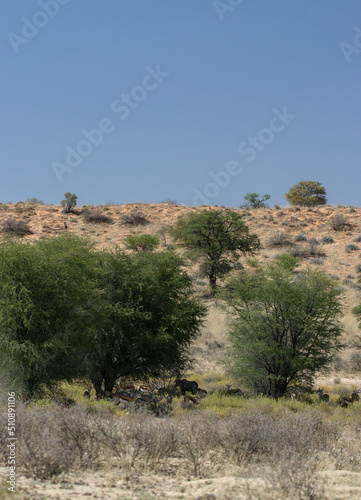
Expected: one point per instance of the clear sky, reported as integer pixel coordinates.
(197, 101)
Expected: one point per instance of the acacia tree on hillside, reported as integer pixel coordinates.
(215, 238)
(285, 327)
(307, 194)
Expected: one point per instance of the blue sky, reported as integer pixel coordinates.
(197, 101)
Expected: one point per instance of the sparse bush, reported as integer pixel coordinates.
(300, 237)
(334, 276)
(298, 251)
(279, 239)
(325, 240)
(174, 203)
(358, 239)
(69, 202)
(96, 217)
(317, 261)
(351, 247)
(34, 201)
(143, 242)
(358, 268)
(16, 227)
(339, 222)
(135, 218)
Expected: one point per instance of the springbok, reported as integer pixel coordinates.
(344, 402)
(149, 398)
(322, 396)
(189, 401)
(148, 388)
(122, 398)
(233, 391)
(294, 395)
(202, 393)
(102, 395)
(126, 387)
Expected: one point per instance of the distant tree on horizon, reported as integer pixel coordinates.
(307, 194)
(253, 200)
(69, 202)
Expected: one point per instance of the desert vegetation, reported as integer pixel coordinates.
(97, 313)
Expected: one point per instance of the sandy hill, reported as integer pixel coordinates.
(300, 226)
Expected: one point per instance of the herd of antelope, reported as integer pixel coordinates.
(343, 401)
(129, 393)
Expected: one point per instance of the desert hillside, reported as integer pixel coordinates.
(337, 249)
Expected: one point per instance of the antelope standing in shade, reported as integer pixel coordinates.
(122, 398)
(202, 393)
(230, 391)
(322, 396)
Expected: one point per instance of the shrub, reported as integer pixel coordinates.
(34, 201)
(351, 247)
(339, 222)
(300, 237)
(358, 268)
(279, 239)
(334, 276)
(69, 202)
(97, 217)
(174, 203)
(325, 240)
(135, 218)
(17, 227)
(298, 251)
(143, 242)
(316, 261)
(358, 239)
(307, 194)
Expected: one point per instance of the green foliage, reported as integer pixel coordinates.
(216, 238)
(47, 298)
(143, 242)
(69, 202)
(286, 326)
(307, 194)
(149, 319)
(253, 200)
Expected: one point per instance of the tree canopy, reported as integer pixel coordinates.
(47, 294)
(149, 318)
(285, 327)
(253, 200)
(307, 194)
(215, 238)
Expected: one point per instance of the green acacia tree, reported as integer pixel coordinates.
(215, 238)
(253, 200)
(149, 319)
(47, 301)
(307, 194)
(285, 328)
(69, 202)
